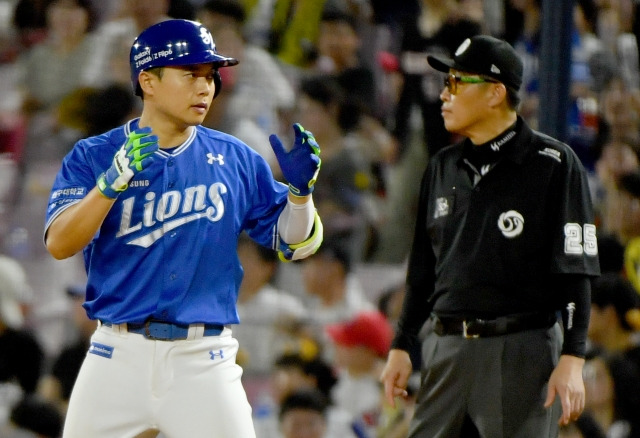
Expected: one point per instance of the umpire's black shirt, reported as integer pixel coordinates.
(496, 223)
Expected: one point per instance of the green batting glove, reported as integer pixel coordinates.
(131, 158)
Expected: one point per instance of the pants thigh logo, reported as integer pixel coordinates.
(101, 350)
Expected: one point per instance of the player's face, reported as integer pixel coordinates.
(184, 93)
(464, 101)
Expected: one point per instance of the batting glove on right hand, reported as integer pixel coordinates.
(131, 158)
(300, 166)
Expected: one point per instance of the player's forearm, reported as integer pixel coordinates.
(296, 220)
(75, 227)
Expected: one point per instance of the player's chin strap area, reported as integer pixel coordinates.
(299, 251)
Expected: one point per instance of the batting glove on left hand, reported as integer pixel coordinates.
(300, 166)
(131, 158)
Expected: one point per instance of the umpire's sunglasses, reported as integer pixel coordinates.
(451, 81)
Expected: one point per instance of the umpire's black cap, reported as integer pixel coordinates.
(487, 56)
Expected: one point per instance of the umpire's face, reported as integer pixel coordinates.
(467, 103)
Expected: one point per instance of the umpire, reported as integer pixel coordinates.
(500, 267)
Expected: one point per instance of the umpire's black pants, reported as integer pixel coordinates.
(498, 383)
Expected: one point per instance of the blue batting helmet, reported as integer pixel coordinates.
(175, 42)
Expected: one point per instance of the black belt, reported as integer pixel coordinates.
(504, 325)
(167, 331)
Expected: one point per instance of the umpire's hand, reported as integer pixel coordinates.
(395, 375)
(566, 382)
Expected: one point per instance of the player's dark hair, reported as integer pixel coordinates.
(307, 399)
(158, 71)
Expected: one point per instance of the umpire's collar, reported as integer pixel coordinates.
(515, 148)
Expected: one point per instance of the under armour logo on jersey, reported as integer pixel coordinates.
(511, 224)
(213, 354)
(211, 158)
(484, 169)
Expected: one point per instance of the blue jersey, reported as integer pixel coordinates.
(167, 248)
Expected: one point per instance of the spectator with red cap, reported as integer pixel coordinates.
(361, 345)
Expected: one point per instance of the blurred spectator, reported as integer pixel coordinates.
(287, 28)
(628, 230)
(107, 108)
(292, 372)
(33, 418)
(343, 193)
(30, 21)
(584, 427)
(611, 254)
(614, 28)
(390, 302)
(612, 394)
(62, 62)
(270, 318)
(114, 37)
(616, 159)
(21, 356)
(303, 414)
(435, 27)
(335, 292)
(360, 348)
(615, 316)
(394, 420)
(56, 385)
(16, 294)
(339, 55)
(256, 93)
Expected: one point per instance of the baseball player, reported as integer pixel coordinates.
(156, 206)
(504, 243)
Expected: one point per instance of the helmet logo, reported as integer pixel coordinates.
(206, 36)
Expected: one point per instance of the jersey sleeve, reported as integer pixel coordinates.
(575, 246)
(72, 183)
(268, 199)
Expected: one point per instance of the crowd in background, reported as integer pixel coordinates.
(314, 334)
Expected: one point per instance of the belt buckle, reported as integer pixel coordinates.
(465, 334)
(161, 332)
(147, 330)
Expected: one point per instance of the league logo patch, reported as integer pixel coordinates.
(101, 350)
(511, 224)
(443, 207)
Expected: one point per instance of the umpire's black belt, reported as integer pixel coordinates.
(167, 331)
(504, 325)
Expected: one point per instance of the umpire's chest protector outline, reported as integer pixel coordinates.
(182, 212)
